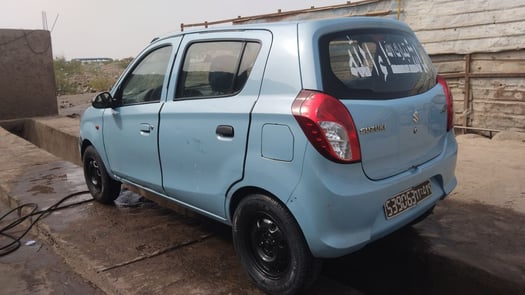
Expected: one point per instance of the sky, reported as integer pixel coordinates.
(122, 28)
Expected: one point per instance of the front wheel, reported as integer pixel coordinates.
(103, 188)
(271, 246)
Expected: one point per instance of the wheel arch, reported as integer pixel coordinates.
(243, 192)
(246, 191)
(240, 194)
(83, 146)
(101, 152)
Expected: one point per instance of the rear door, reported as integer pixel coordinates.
(388, 83)
(204, 123)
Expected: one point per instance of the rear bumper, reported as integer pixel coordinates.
(340, 210)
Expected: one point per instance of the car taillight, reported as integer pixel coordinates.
(450, 102)
(328, 126)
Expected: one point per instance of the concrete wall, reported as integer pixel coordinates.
(57, 135)
(27, 79)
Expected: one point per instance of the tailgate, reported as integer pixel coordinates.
(388, 83)
(399, 134)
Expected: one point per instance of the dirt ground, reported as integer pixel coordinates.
(499, 166)
(74, 105)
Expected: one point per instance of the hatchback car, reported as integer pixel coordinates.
(310, 138)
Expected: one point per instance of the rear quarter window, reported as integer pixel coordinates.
(374, 64)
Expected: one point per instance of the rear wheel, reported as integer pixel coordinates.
(103, 188)
(271, 246)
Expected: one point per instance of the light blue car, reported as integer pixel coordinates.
(310, 138)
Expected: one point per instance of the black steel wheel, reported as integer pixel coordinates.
(272, 247)
(103, 188)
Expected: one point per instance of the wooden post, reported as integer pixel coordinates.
(466, 96)
(398, 9)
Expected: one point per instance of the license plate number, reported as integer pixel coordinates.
(407, 199)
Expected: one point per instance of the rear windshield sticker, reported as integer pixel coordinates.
(400, 57)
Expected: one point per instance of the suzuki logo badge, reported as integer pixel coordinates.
(415, 117)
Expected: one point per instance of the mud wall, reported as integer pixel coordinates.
(27, 81)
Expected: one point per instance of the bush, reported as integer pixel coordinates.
(100, 84)
(64, 70)
(74, 77)
(123, 63)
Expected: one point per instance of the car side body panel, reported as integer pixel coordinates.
(91, 131)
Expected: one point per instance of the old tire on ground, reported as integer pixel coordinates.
(103, 188)
(271, 246)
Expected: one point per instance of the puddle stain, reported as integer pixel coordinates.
(41, 189)
(49, 178)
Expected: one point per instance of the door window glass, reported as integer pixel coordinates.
(144, 83)
(213, 69)
(250, 54)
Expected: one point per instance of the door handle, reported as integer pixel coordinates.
(224, 131)
(146, 128)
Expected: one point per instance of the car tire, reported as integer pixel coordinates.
(103, 188)
(271, 246)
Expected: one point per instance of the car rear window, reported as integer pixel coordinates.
(374, 64)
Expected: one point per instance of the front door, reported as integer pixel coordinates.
(131, 129)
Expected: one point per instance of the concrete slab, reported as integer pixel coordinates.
(463, 248)
(36, 269)
(121, 250)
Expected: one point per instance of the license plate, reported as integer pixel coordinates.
(407, 199)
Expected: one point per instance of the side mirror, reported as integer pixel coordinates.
(103, 100)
